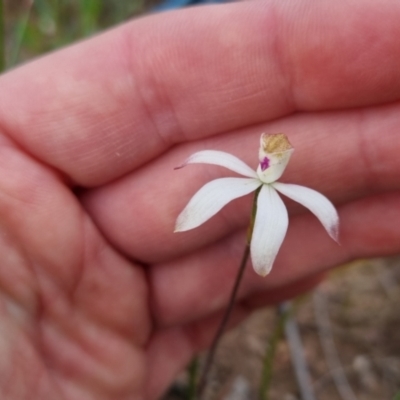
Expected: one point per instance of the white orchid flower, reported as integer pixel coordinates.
(271, 220)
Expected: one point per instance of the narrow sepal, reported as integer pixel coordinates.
(269, 230)
(317, 203)
(211, 198)
(222, 159)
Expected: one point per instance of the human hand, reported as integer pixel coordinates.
(99, 299)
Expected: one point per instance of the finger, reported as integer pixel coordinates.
(344, 155)
(110, 104)
(369, 227)
(285, 292)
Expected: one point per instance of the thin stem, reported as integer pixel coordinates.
(222, 326)
(21, 30)
(266, 375)
(231, 303)
(2, 38)
(193, 371)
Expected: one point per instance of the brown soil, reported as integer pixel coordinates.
(362, 305)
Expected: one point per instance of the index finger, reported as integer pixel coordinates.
(104, 107)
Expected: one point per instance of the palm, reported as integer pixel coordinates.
(74, 312)
(79, 318)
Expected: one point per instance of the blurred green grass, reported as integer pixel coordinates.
(35, 27)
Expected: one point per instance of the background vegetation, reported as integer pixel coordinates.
(36, 27)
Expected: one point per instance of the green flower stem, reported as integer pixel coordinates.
(211, 354)
(20, 35)
(2, 38)
(277, 334)
(253, 216)
(193, 371)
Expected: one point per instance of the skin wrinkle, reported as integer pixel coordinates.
(7, 381)
(85, 254)
(367, 178)
(283, 59)
(154, 74)
(363, 152)
(176, 339)
(38, 374)
(88, 283)
(378, 238)
(138, 85)
(56, 335)
(71, 290)
(147, 104)
(18, 352)
(159, 107)
(253, 87)
(32, 297)
(376, 161)
(165, 119)
(74, 337)
(7, 141)
(33, 310)
(73, 149)
(298, 51)
(152, 320)
(65, 281)
(359, 25)
(272, 28)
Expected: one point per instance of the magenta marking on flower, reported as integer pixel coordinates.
(264, 163)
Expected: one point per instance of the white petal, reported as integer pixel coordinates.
(269, 230)
(220, 158)
(317, 203)
(211, 198)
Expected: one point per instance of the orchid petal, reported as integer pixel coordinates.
(269, 230)
(222, 159)
(318, 204)
(211, 198)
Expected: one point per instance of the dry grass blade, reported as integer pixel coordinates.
(329, 348)
(296, 347)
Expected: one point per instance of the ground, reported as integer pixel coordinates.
(358, 307)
